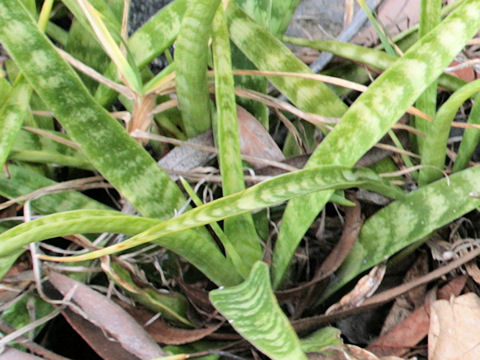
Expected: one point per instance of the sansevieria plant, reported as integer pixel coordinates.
(62, 93)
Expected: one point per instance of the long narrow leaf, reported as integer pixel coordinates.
(372, 115)
(12, 113)
(406, 221)
(371, 57)
(149, 41)
(240, 230)
(200, 252)
(435, 143)
(269, 54)
(268, 193)
(108, 147)
(427, 102)
(191, 59)
(252, 309)
(470, 140)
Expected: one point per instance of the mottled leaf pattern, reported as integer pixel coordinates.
(252, 309)
(372, 115)
(409, 220)
(191, 58)
(240, 229)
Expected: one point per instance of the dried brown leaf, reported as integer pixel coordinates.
(110, 317)
(255, 140)
(454, 328)
(408, 333)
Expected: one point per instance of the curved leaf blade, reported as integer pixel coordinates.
(268, 193)
(269, 54)
(107, 145)
(252, 309)
(435, 151)
(240, 229)
(372, 115)
(197, 248)
(406, 221)
(191, 59)
(12, 113)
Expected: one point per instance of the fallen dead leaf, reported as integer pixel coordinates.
(454, 329)
(109, 317)
(408, 333)
(405, 304)
(255, 140)
(95, 337)
(166, 334)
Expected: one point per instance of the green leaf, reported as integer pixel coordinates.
(427, 102)
(22, 182)
(197, 248)
(191, 59)
(372, 115)
(129, 72)
(172, 306)
(470, 139)
(406, 221)
(12, 113)
(268, 193)
(106, 144)
(156, 35)
(435, 143)
(252, 309)
(240, 229)
(269, 54)
(321, 339)
(371, 57)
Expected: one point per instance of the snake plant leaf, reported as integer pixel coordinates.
(269, 54)
(105, 143)
(12, 113)
(156, 35)
(470, 140)
(274, 16)
(406, 221)
(427, 102)
(265, 194)
(371, 57)
(240, 229)
(197, 248)
(372, 115)
(435, 143)
(191, 60)
(46, 157)
(253, 311)
(111, 20)
(322, 339)
(123, 162)
(21, 182)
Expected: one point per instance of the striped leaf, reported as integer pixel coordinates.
(252, 309)
(191, 58)
(156, 35)
(265, 194)
(12, 114)
(106, 144)
(435, 151)
(198, 249)
(240, 229)
(406, 221)
(269, 54)
(372, 115)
